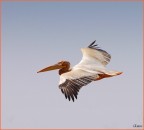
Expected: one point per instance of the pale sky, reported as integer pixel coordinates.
(39, 34)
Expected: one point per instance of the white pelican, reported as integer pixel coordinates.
(92, 67)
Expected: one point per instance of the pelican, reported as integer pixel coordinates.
(92, 67)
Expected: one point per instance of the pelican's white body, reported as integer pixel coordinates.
(93, 63)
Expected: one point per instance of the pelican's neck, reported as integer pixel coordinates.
(61, 71)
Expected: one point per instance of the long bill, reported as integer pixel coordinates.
(53, 67)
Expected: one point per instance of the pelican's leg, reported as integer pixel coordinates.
(101, 76)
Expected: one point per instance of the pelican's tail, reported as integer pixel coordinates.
(108, 74)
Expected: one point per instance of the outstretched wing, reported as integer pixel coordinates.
(100, 55)
(94, 56)
(71, 87)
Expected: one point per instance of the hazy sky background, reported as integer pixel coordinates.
(39, 34)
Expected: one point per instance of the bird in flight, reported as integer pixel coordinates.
(92, 67)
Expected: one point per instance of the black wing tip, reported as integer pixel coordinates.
(70, 97)
(93, 45)
(70, 93)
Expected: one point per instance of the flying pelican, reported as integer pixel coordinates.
(92, 67)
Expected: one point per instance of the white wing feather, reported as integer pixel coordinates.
(93, 60)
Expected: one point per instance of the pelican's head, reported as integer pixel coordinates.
(60, 65)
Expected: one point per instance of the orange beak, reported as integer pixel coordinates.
(53, 67)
